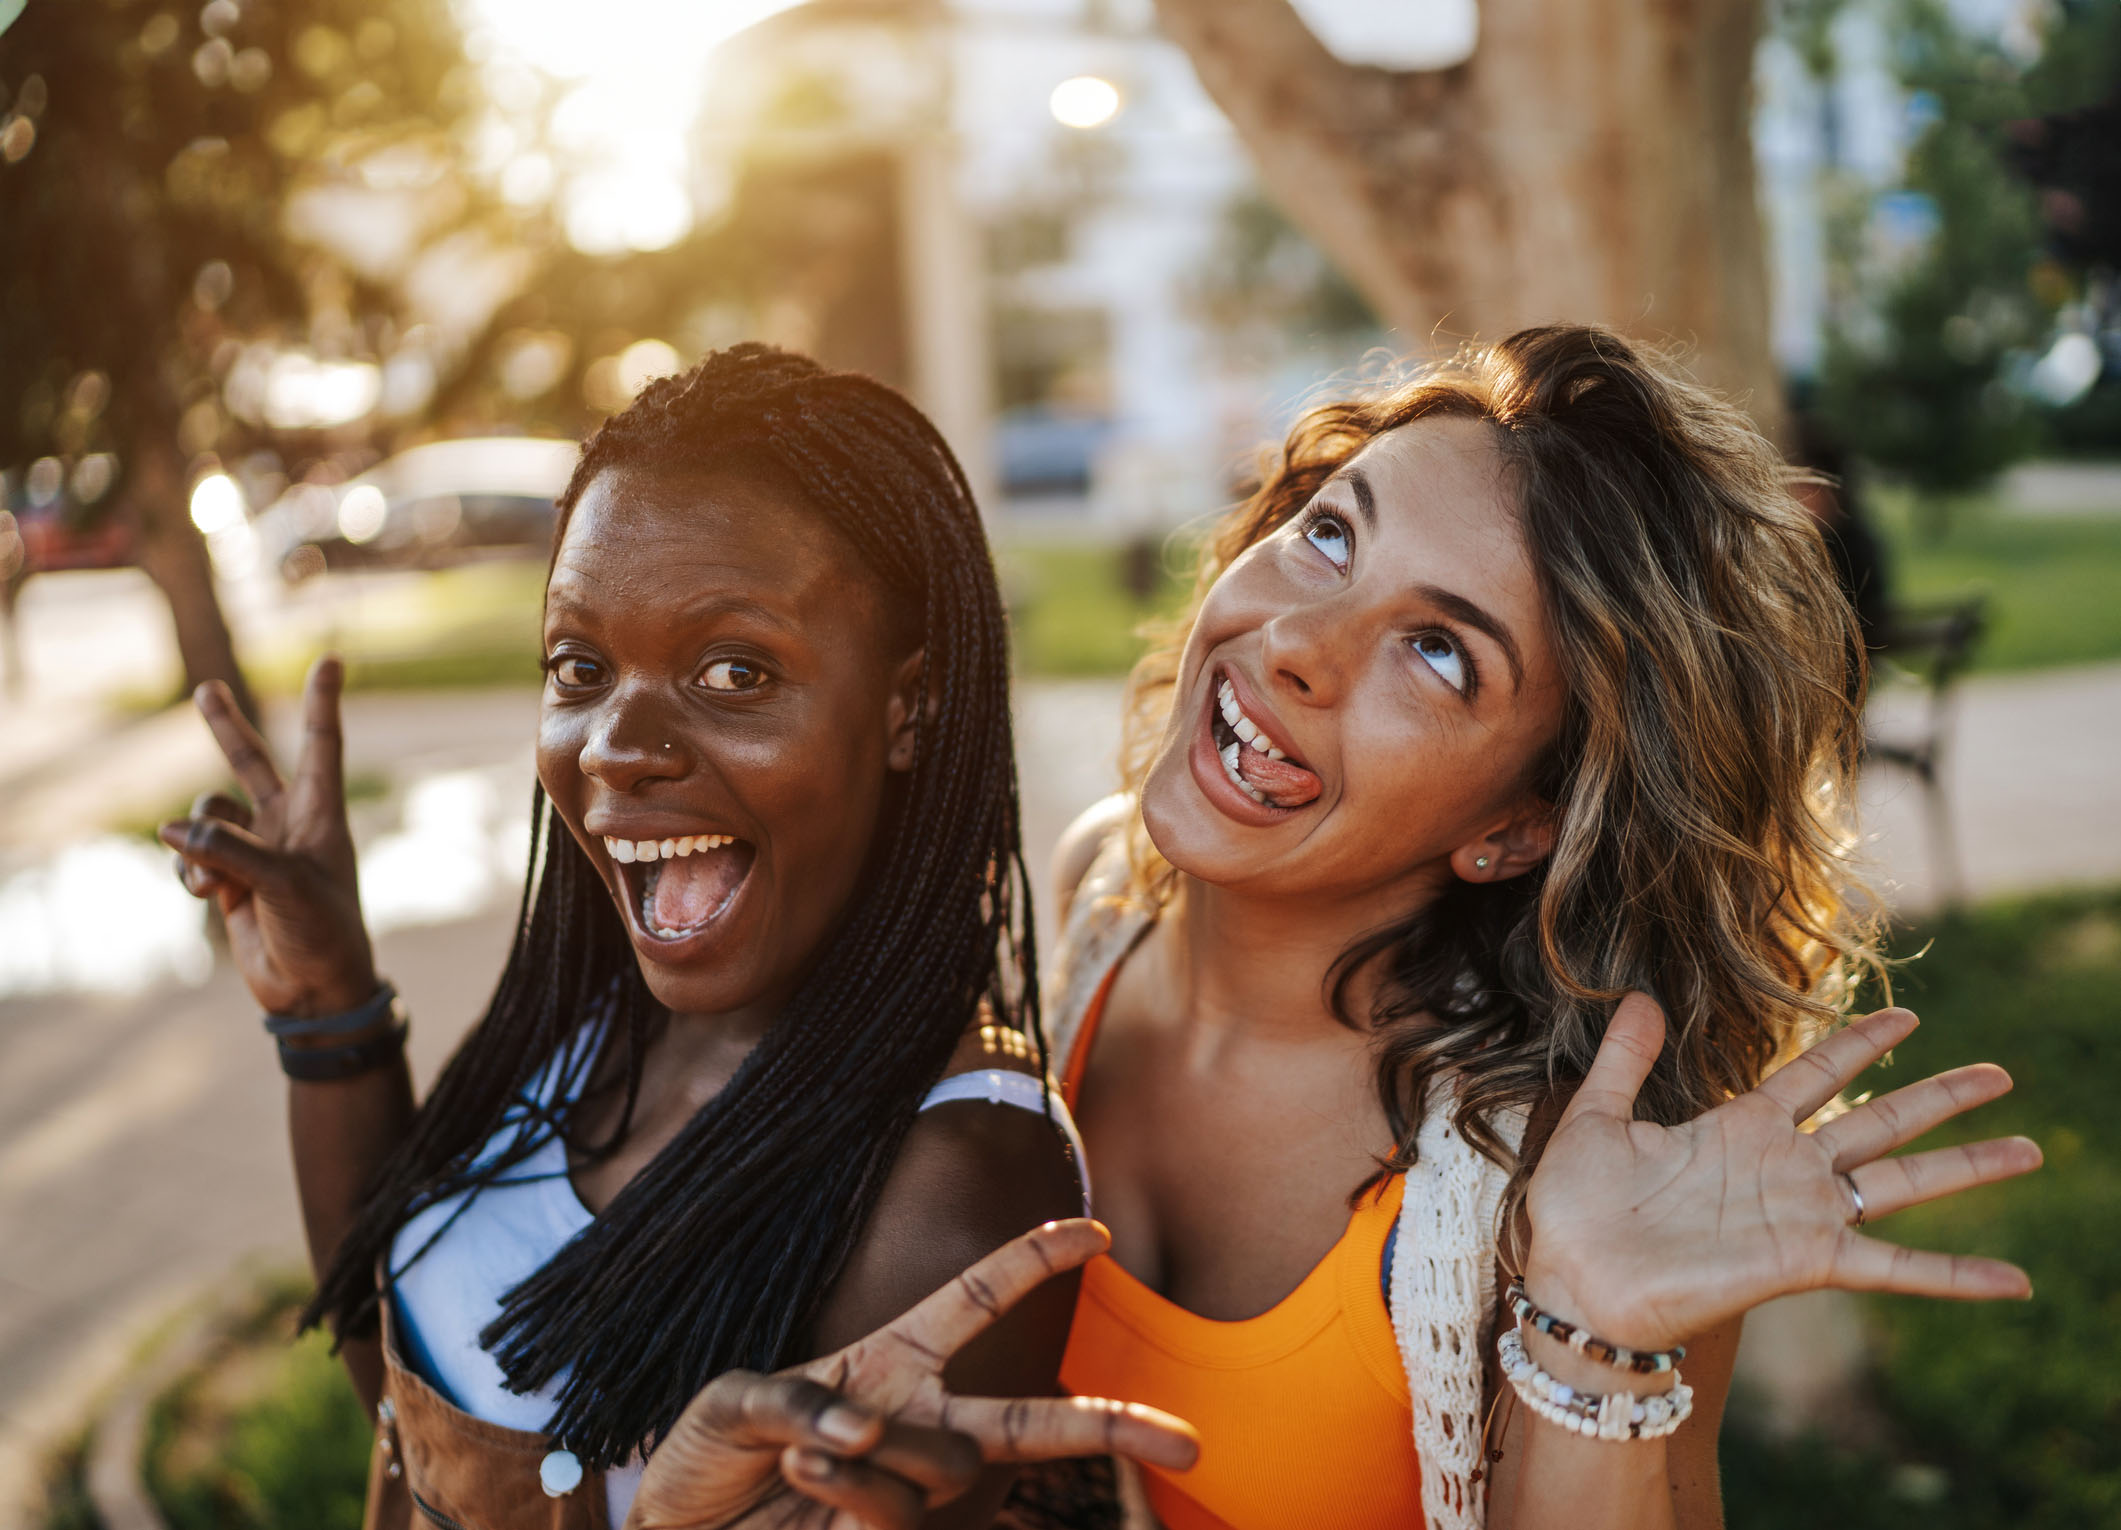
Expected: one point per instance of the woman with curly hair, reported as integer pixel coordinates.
(1516, 695)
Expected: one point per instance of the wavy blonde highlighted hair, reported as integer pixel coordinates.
(1702, 781)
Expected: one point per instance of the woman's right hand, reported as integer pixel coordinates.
(282, 868)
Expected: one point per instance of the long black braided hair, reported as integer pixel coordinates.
(719, 1253)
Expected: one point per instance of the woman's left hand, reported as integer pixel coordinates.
(1646, 1235)
(870, 1436)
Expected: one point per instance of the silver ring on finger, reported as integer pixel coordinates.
(1855, 1196)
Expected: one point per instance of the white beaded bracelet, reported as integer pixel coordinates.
(1603, 1416)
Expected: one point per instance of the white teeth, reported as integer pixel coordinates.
(1228, 754)
(627, 851)
(1246, 729)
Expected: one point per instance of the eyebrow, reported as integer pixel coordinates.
(1456, 605)
(699, 611)
(1365, 498)
(1453, 603)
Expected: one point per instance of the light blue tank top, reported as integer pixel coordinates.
(511, 1229)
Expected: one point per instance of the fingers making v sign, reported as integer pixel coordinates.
(1648, 1235)
(281, 867)
(871, 1436)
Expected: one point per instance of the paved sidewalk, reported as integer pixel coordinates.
(141, 1143)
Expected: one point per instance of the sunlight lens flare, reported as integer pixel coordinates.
(629, 92)
(1084, 102)
(216, 503)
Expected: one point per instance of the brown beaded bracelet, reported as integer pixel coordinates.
(1642, 1362)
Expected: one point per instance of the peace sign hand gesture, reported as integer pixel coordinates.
(1647, 1235)
(282, 868)
(871, 1436)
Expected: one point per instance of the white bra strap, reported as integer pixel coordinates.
(1003, 1086)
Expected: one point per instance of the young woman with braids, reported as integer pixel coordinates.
(777, 889)
(1517, 691)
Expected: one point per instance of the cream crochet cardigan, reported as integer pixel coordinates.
(1443, 1264)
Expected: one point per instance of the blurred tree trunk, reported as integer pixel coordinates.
(173, 554)
(1592, 161)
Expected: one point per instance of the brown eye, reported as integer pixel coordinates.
(573, 672)
(733, 675)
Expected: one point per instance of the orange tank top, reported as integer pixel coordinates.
(1303, 1411)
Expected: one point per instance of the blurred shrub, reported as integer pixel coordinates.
(2007, 1414)
(267, 1436)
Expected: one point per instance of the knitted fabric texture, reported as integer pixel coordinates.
(1443, 1262)
(1443, 1302)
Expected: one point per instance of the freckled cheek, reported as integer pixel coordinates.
(1428, 774)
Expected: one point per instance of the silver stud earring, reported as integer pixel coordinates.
(1480, 863)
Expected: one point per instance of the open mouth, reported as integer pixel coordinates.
(678, 887)
(1255, 764)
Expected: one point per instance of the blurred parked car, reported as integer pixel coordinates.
(57, 537)
(441, 503)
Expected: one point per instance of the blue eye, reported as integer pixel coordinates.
(733, 675)
(1441, 654)
(1329, 534)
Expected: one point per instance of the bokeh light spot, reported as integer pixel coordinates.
(1084, 102)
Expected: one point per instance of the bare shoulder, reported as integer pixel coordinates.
(970, 1175)
(1081, 841)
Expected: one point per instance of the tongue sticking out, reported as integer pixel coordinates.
(692, 889)
(1287, 782)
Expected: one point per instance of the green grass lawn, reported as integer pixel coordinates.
(2002, 1415)
(2053, 585)
(472, 625)
(1070, 614)
(2053, 582)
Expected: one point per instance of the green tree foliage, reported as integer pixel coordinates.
(1958, 282)
(1913, 375)
(152, 159)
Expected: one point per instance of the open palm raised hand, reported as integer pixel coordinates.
(282, 867)
(1647, 1235)
(870, 1436)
